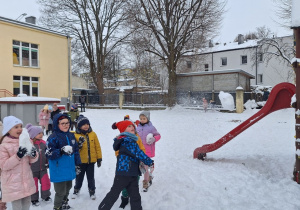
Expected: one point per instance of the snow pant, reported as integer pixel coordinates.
(121, 182)
(124, 191)
(82, 107)
(21, 204)
(88, 169)
(73, 125)
(62, 190)
(45, 185)
(149, 170)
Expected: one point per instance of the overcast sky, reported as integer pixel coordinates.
(242, 16)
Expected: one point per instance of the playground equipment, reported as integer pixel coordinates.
(279, 98)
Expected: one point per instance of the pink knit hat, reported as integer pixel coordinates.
(33, 130)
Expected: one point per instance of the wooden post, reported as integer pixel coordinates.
(239, 100)
(121, 99)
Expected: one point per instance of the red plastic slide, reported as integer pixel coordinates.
(279, 98)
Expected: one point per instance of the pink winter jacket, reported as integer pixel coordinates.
(42, 121)
(16, 176)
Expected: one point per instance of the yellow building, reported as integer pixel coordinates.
(34, 60)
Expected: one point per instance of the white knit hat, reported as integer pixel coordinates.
(9, 122)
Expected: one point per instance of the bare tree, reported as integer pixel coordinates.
(284, 11)
(96, 24)
(176, 25)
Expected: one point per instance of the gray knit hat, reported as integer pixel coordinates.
(146, 114)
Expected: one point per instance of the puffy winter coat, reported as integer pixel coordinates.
(129, 156)
(143, 131)
(139, 142)
(74, 114)
(16, 176)
(91, 150)
(44, 118)
(61, 166)
(39, 165)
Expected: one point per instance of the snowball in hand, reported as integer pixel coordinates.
(24, 141)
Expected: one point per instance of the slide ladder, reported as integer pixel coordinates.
(279, 98)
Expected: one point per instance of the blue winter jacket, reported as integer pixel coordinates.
(61, 166)
(129, 156)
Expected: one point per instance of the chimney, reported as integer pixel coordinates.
(240, 39)
(30, 19)
(210, 44)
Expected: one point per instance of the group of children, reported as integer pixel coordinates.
(25, 158)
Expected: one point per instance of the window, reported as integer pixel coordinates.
(224, 61)
(25, 54)
(26, 85)
(206, 67)
(244, 59)
(259, 78)
(189, 64)
(260, 57)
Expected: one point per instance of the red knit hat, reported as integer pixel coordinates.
(122, 125)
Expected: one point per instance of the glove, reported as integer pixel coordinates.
(46, 165)
(99, 162)
(78, 170)
(150, 139)
(21, 152)
(80, 141)
(67, 150)
(44, 117)
(152, 165)
(33, 152)
(137, 122)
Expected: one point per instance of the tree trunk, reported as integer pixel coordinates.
(172, 87)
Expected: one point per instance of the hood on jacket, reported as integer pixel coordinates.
(55, 121)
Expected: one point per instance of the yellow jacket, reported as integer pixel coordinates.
(139, 142)
(91, 150)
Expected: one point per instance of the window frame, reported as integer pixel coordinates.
(32, 84)
(224, 59)
(32, 48)
(189, 64)
(242, 61)
(260, 78)
(206, 67)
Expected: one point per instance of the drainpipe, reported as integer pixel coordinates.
(256, 65)
(212, 61)
(69, 71)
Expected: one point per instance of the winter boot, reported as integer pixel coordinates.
(75, 193)
(35, 203)
(92, 194)
(150, 179)
(57, 208)
(47, 200)
(124, 202)
(145, 185)
(65, 204)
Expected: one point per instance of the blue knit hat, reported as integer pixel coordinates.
(82, 120)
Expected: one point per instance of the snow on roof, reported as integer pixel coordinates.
(122, 88)
(295, 13)
(28, 99)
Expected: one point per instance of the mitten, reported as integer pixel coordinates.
(67, 150)
(47, 165)
(21, 152)
(78, 170)
(99, 162)
(80, 141)
(33, 152)
(152, 165)
(150, 139)
(137, 122)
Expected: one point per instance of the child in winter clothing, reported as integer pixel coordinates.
(55, 110)
(205, 104)
(44, 117)
(127, 168)
(149, 136)
(50, 123)
(124, 197)
(39, 168)
(90, 153)
(64, 159)
(16, 177)
(74, 114)
(2, 204)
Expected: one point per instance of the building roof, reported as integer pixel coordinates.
(32, 26)
(227, 71)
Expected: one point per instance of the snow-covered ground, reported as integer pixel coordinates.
(252, 171)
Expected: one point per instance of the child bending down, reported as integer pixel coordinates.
(127, 168)
(16, 177)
